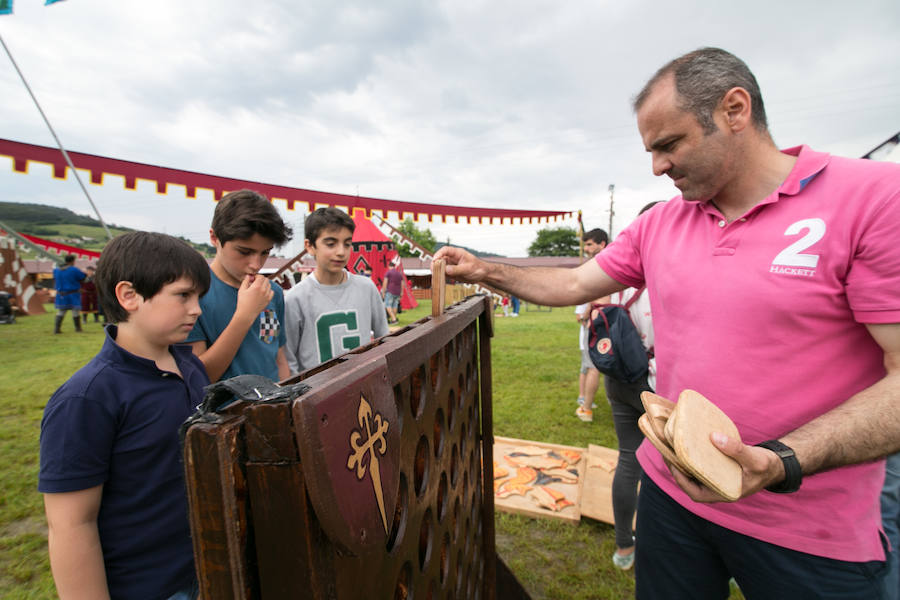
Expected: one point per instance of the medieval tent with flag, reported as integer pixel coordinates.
(373, 251)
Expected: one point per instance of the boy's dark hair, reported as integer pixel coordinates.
(69, 259)
(326, 218)
(598, 236)
(240, 214)
(149, 261)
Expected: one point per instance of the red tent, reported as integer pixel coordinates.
(373, 249)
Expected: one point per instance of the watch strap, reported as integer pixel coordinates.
(793, 474)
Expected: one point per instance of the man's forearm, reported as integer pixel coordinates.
(865, 427)
(549, 286)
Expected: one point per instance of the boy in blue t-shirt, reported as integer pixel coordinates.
(241, 331)
(111, 470)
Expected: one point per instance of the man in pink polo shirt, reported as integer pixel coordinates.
(774, 282)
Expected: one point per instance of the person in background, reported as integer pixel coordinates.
(67, 278)
(392, 289)
(595, 240)
(89, 295)
(514, 300)
(625, 403)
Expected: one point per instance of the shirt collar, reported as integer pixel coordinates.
(808, 166)
(114, 353)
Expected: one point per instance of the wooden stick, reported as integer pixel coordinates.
(438, 288)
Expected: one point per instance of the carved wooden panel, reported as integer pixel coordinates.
(368, 485)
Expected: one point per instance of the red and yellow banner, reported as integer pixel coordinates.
(98, 166)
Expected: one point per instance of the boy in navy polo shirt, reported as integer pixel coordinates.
(111, 470)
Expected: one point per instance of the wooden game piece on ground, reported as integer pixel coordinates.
(596, 493)
(568, 490)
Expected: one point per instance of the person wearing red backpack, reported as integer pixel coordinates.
(625, 403)
(595, 240)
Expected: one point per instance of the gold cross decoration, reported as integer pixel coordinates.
(374, 445)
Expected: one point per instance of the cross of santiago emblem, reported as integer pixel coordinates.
(373, 427)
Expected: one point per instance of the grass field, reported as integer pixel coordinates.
(535, 367)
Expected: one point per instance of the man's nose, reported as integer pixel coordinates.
(256, 262)
(661, 164)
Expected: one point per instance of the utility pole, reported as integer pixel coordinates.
(612, 188)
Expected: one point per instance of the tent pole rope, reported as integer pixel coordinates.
(58, 143)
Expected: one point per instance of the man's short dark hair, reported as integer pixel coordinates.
(326, 218)
(597, 235)
(69, 259)
(149, 261)
(240, 214)
(649, 205)
(702, 78)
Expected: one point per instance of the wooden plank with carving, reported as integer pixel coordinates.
(596, 495)
(534, 485)
(366, 485)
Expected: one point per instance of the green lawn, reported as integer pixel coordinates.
(535, 367)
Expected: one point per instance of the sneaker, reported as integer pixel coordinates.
(584, 414)
(623, 562)
(581, 403)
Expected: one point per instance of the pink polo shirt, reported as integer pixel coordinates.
(765, 317)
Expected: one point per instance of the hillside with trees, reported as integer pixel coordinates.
(66, 227)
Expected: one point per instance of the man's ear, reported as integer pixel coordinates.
(311, 248)
(736, 109)
(127, 297)
(212, 238)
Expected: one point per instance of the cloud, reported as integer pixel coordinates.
(500, 104)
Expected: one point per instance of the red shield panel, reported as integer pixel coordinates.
(349, 442)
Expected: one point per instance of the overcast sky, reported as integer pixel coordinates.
(519, 104)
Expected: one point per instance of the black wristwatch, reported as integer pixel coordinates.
(793, 474)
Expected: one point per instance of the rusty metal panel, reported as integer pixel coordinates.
(371, 483)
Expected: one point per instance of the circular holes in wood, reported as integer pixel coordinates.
(463, 435)
(442, 497)
(398, 527)
(417, 390)
(451, 410)
(402, 590)
(438, 438)
(459, 571)
(420, 470)
(435, 369)
(425, 539)
(454, 524)
(454, 466)
(445, 556)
